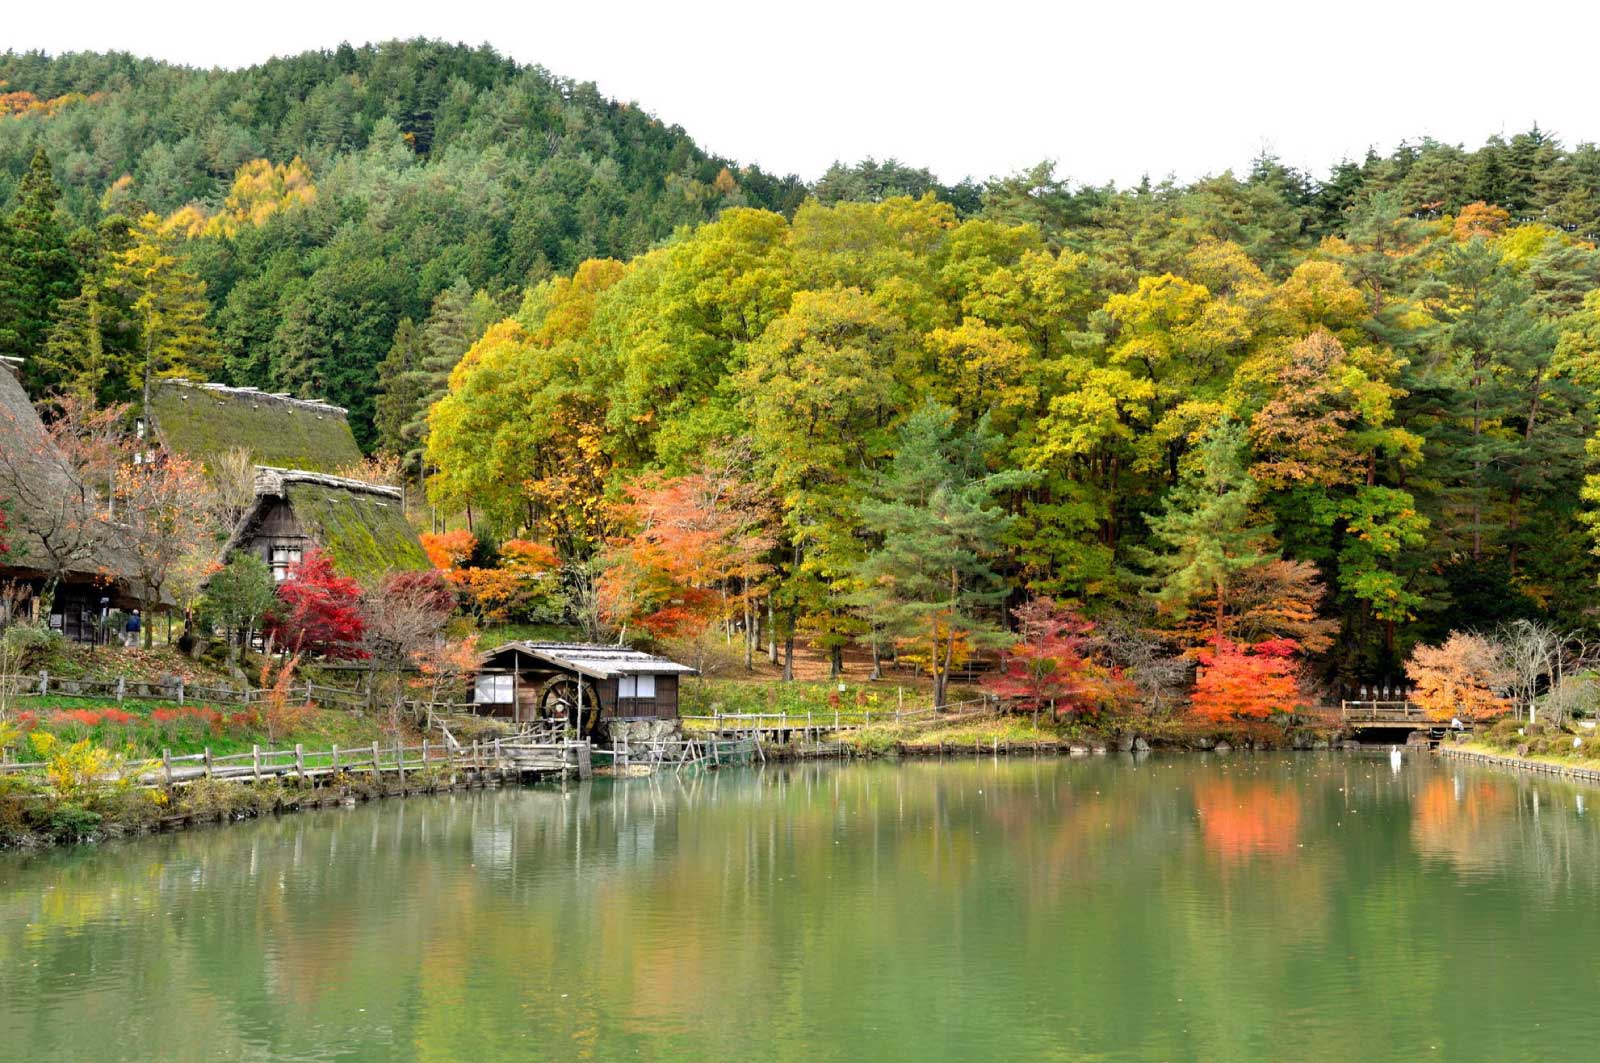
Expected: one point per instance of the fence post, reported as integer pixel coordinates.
(255, 762)
(208, 761)
(180, 690)
(400, 761)
(44, 681)
(336, 757)
(377, 773)
(424, 754)
(122, 686)
(166, 767)
(899, 702)
(299, 760)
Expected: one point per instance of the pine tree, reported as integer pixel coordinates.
(37, 270)
(455, 322)
(1208, 527)
(399, 389)
(931, 578)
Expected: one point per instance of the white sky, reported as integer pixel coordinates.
(1109, 90)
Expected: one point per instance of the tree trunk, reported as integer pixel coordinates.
(788, 658)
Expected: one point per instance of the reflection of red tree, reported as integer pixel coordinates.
(1240, 821)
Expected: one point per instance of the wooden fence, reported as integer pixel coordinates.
(377, 759)
(836, 718)
(175, 690)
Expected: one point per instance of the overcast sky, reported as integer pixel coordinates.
(1110, 90)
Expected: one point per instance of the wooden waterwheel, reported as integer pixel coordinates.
(559, 700)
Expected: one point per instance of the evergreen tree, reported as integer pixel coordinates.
(1207, 527)
(455, 322)
(931, 577)
(37, 269)
(399, 387)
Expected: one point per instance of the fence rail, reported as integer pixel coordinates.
(176, 690)
(838, 718)
(378, 758)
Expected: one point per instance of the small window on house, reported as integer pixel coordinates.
(280, 558)
(492, 690)
(636, 686)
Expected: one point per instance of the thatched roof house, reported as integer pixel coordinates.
(204, 422)
(296, 447)
(55, 526)
(361, 526)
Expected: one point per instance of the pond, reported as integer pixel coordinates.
(1253, 907)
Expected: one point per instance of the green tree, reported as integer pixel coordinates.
(937, 528)
(1207, 530)
(237, 596)
(37, 268)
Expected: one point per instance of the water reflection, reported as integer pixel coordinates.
(1198, 908)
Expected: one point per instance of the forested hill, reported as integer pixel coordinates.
(429, 164)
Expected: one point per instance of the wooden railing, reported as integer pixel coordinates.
(378, 758)
(1395, 712)
(178, 690)
(835, 718)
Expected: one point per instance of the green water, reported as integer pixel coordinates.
(1310, 907)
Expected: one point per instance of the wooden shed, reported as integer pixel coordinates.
(587, 685)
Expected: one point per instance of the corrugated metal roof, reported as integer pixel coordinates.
(595, 661)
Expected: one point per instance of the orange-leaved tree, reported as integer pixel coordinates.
(1464, 677)
(1245, 681)
(1050, 667)
(693, 556)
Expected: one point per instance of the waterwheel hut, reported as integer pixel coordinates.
(593, 688)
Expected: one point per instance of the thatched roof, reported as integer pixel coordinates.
(48, 499)
(205, 421)
(361, 526)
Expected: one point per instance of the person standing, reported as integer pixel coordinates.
(130, 630)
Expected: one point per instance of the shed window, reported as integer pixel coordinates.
(492, 690)
(280, 558)
(636, 686)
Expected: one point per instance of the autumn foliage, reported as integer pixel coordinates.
(694, 554)
(1243, 681)
(1051, 668)
(1461, 678)
(318, 611)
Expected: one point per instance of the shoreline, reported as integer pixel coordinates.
(1516, 763)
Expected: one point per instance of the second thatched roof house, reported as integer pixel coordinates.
(293, 452)
(361, 526)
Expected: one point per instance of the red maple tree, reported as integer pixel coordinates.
(1247, 681)
(1050, 667)
(318, 611)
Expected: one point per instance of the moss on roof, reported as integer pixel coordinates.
(365, 533)
(206, 421)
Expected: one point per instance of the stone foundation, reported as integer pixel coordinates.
(642, 732)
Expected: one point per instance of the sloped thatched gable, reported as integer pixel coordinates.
(205, 421)
(55, 527)
(361, 526)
